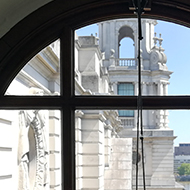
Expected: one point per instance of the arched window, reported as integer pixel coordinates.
(67, 102)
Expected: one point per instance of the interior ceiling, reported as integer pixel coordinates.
(12, 11)
(28, 26)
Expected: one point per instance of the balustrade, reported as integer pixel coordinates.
(126, 62)
(128, 122)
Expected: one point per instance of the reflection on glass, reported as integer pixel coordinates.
(40, 75)
(30, 149)
(106, 149)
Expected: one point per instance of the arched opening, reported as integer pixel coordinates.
(126, 48)
(41, 36)
(126, 42)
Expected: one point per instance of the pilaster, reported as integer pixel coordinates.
(119, 174)
(151, 113)
(107, 144)
(166, 113)
(145, 112)
(115, 87)
(54, 150)
(78, 149)
(92, 125)
(162, 165)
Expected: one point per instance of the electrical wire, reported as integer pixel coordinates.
(139, 8)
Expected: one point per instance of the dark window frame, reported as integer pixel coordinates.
(37, 35)
(68, 102)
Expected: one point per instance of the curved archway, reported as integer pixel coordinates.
(125, 31)
(125, 38)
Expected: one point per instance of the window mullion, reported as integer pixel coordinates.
(67, 92)
(67, 63)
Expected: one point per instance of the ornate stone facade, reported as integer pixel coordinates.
(105, 140)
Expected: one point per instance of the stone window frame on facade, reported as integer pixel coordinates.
(64, 24)
(126, 113)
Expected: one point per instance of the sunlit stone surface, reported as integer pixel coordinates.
(105, 140)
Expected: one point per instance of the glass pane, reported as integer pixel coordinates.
(106, 149)
(177, 58)
(40, 76)
(30, 151)
(126, 113)
(103, 58)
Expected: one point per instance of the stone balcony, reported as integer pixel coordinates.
(127, 122)
(123, 63)
(129, 62)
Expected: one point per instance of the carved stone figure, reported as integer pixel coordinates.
(32, 150)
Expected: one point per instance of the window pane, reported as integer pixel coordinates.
(126, 89)
(30, 151)
(126, 113)
(40, 75)
(99, 66)
(106, 148)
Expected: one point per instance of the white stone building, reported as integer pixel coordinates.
(181, 155)
(180, 159)
(105, 139)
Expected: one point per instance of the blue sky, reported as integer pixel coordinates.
(177, 48)
(176, 42)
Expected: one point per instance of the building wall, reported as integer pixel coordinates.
(105, 142)
(182, 149)
(180, 159)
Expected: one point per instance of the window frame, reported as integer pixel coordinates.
(67, 102)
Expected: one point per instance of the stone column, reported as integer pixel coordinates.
(54, 149)
(135, 88)
(78, 150)
(136, 46)
(135, 111)
(93, 149)
(117, 45)
(160, 113)
(150, 112)
(144, 88)
(160, 88)
(166, 113)
(100, 26)
(107, 144)
(119, 174)
(115, 87)
(165, 88)
(106, 39)
(9, 149)
(145, 112)
(162, 157)
(151, 88)
(111, 34)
